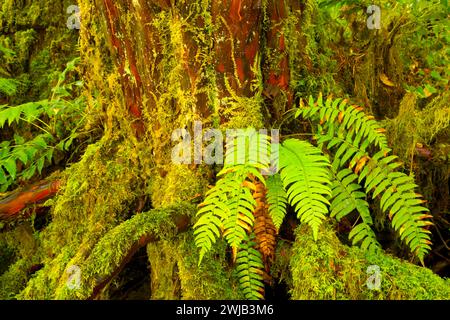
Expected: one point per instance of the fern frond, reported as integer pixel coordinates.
(229, 206)
(348, 133)
(277, 199)
(240, 217)
(8, 86)
(250, 270)
(347, 197)
(264, 228)
(247, 147)
(350, 119)
(305, 176)
(399, 200)
(220, 211)
(363, 234)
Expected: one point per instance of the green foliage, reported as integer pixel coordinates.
(351, 161)
(8, 86)
(57, 120)
(277, 199)
(305, 176)
(352, 137)
(229, 205)
(249, 270)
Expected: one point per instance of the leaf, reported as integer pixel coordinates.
(21, 155)
(385, 80)
(40, 164)
(305, 176)
(10, 166)
(436, 75)
(3, 179)
(14, 114)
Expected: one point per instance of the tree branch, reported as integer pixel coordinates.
(13, 204)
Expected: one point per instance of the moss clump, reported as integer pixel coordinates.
(178, 184)
(327, 269)
(213, 279)
(175, 272)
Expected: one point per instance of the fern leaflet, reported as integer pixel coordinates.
(250, 270)
(277, 199)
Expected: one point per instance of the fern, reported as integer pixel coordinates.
(403, 205)
(351, 135)
(363, 234)
(33, 154)
(57, 119)
(305, 176)
(228, 207)
(347, 197)
(277, 200)
(250, 270)
(8, 86)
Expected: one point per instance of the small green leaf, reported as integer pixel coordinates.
(21, 155)
(40, 164)
(3, 179)
(14, 114)
(10, 166)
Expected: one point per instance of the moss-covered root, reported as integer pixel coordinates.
(327, 269)
(113, 250)
(175, 273)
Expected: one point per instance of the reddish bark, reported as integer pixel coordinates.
(131, 84)
(13, 204)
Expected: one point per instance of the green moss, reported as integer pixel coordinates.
(213, 279)
(178, 185)
(327, 269)
(43, 44)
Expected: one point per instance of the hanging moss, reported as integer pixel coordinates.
(327, 269)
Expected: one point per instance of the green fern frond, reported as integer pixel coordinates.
(306, 178)
(349, 119)
(399, 200)
(228, 207)
(240, 219)
(363, 234)
(247, 147)
(347, 196)
(277, 199)
(212, 213)
(250, 270)
(348, 133)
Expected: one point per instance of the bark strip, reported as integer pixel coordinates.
(12, 205)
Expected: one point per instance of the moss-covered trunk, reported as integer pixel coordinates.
(152, 67)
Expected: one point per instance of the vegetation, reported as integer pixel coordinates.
(356, 179)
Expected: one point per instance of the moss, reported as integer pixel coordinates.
(327, 269)
(213, 279)
(96, 196)
(179, 184)
(15, 278)
(103, 258)
(38, 34)
(175, 272)
(162, 257)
